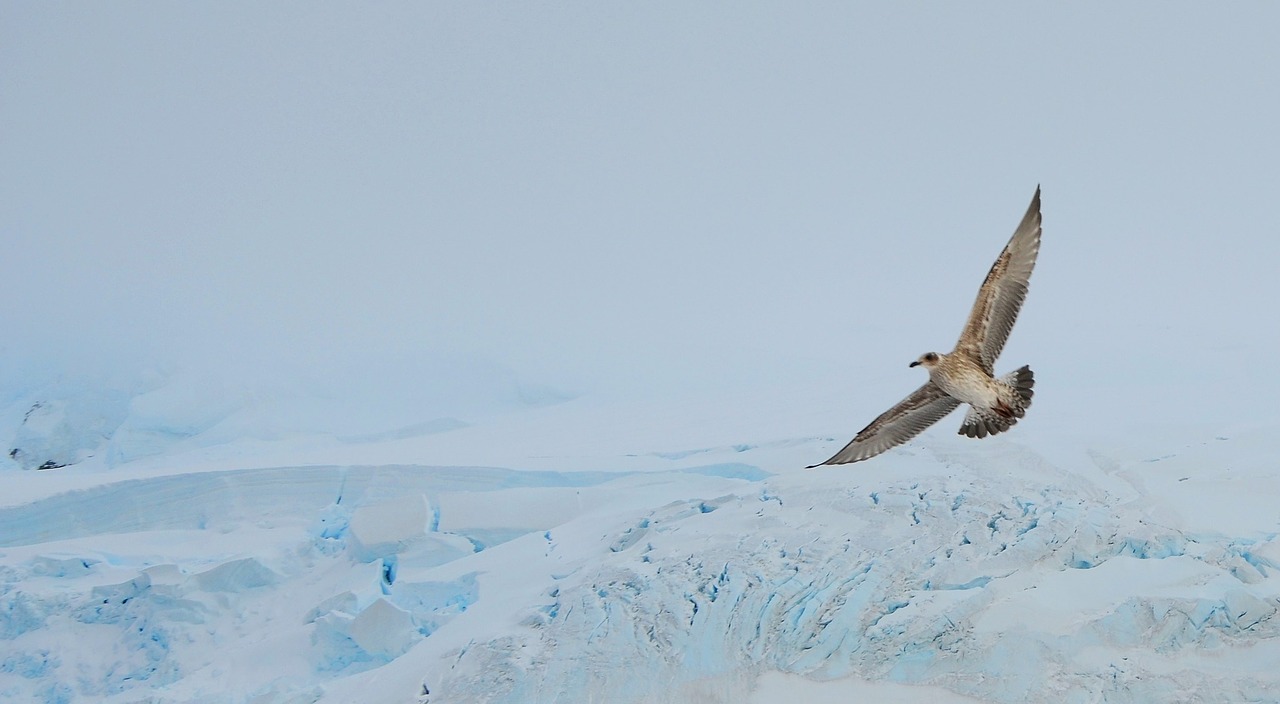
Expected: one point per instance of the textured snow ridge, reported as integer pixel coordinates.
(1005, 587)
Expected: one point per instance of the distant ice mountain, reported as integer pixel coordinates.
(55, 432)
(115, 420)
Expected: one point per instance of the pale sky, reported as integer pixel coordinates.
(643, 193)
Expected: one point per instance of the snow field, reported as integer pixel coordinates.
(679, 557)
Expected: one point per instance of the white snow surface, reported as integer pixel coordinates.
(667, 550)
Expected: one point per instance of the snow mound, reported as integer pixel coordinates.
(383, 629)
(387, 527)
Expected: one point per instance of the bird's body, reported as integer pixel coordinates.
(967, 382)
(966, 374)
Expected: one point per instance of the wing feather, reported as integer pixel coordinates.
(1002, 292)
(924, 407)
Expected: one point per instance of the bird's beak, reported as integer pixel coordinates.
(914, 364)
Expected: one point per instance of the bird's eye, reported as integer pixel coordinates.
(931, 357)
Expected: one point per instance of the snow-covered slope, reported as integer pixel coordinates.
(669, 558)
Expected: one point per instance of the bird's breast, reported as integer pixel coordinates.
(968, 384)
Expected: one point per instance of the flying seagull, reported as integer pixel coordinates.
(967, 374)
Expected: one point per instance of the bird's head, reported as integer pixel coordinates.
(928, 360)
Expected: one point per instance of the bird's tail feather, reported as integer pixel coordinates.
(979, 423)
(1021, 380)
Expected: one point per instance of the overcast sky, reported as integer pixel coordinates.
(640, 193)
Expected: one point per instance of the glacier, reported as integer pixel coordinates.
(1019, 569)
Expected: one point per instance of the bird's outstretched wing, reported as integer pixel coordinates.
(1003, 292)
(924, 407)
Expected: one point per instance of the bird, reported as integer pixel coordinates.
(967, 373)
